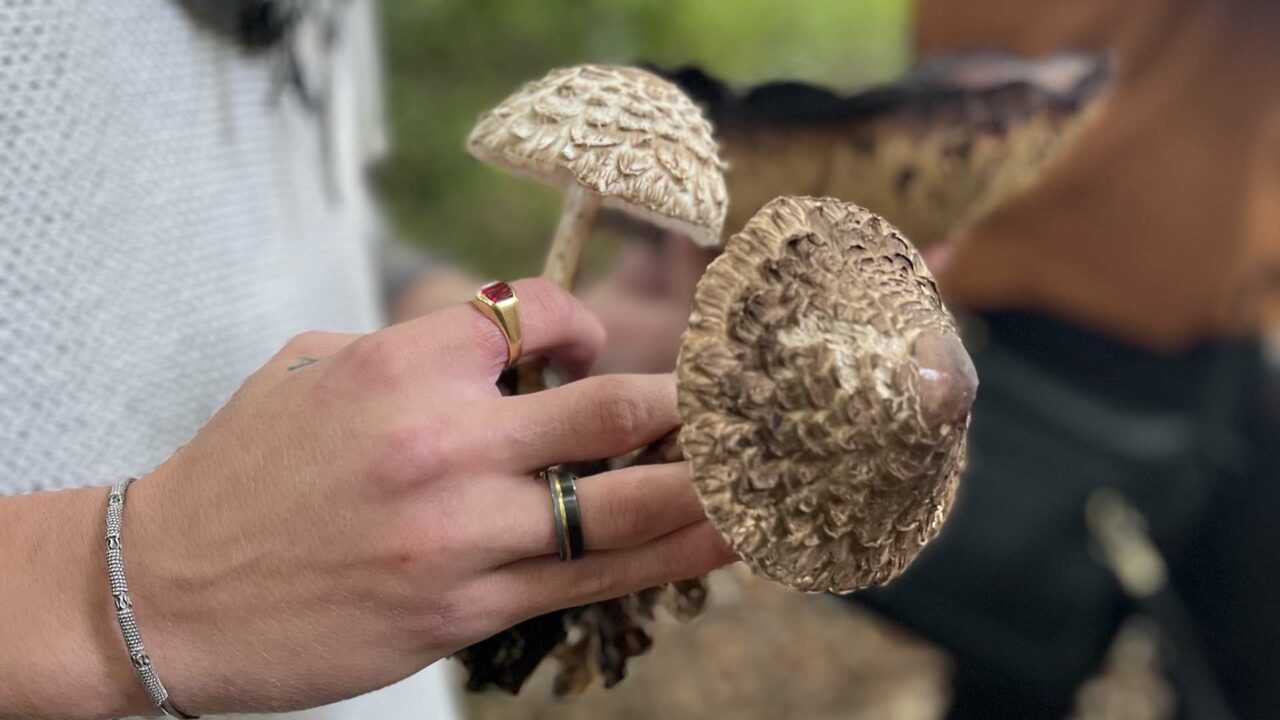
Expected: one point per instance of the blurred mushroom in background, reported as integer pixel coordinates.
(932, 152)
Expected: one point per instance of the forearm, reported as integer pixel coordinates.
(61, 653)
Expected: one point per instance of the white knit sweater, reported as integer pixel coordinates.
(169, 217)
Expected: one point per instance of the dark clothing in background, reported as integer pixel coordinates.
(1012, 587)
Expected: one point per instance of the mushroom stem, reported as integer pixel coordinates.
(576, 219)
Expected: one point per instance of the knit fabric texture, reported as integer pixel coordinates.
(171, 212)
(173, 208)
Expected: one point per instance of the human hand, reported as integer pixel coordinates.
(345, 521)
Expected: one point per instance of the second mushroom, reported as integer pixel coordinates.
(614, 137)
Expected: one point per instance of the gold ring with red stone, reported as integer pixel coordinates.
(498, 302)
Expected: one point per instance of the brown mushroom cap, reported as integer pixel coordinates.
(621, 132)
(825, 396)
(931, 153)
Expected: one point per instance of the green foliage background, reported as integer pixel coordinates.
(449, 60)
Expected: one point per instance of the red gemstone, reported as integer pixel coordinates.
(497, 291)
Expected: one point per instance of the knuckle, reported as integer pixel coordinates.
(620, 410)
(624, 509)
(603, 582)
(492, 344)
(548, 304)
(305, 343)
(480, 609)
(545, 296)
(443, 619)
(378, 358)
(409, 450)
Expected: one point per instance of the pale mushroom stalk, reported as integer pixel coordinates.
(576, 220)
(577, 217)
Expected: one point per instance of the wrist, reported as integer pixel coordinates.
(67, 658)
(129, 691)
(151, 550)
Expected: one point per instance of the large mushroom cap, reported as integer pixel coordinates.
(934, 152)
(825, 396)
(621, 132)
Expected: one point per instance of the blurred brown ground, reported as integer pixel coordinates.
(763, 652)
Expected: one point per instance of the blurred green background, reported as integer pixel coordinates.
(449, 60)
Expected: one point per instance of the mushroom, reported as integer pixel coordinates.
(617, 137)
(933, 152)
(825, 396)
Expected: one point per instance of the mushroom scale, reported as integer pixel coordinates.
(930, 152)
(825, 396)
(622, 133)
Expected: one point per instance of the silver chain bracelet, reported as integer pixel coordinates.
(124, 606)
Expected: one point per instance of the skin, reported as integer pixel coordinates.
(643, 301)
(362, 507)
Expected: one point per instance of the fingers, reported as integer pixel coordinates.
(553, 324)
(633, 505)
(539, 585)
(593, 418)
(938, 257)
(619, 509)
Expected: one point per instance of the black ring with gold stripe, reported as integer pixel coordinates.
(570, 543)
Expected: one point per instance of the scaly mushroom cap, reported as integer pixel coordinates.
(929, 153)
(825, 396)
(621, 132)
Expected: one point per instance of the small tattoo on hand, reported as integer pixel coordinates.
(303, 362)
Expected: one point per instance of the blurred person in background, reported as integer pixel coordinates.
(181, 192)
(1123, 306)
(1120, 310)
